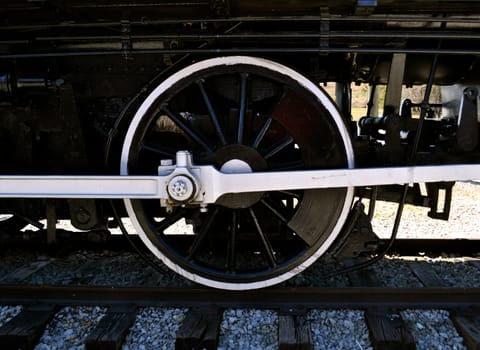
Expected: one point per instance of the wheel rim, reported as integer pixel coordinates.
(241, 114)
(9, 223)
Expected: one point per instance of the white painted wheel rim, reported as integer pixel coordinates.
(231, 61)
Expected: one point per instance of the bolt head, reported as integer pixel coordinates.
(166, 162)
(181, 188)
(83, 216)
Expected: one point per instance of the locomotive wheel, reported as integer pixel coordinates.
(240, 114)
(11, 224)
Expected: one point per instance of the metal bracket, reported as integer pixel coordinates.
(182, 184)
(393, 94)
(126, 30)
(434, 190)
(51, 215)
(324, 27)
(468, 128)
(220, 8)
(365, 7)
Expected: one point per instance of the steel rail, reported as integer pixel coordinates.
(283, 297)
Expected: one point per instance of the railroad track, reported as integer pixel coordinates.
(284, 298)
(380, 306)
(205, 310)
(200, 328)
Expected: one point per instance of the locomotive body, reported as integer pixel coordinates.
(220, 108)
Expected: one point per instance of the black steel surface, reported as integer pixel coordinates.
(284, 298)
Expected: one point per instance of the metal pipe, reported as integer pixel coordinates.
(245, 50)
(297, 35)
(332, 18)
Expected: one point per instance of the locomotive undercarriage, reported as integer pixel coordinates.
(236, 168)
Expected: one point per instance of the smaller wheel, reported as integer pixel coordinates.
(239, 114)
(9, 223)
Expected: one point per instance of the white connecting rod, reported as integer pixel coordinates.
(212, 183)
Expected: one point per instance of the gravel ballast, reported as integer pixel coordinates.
(433, 330)
(416, 223)
(154, 328)
(8, 312)
(69, 328)
(248, 329)
(342, 329)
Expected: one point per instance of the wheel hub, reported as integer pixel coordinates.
(235, 166)
(239, 159)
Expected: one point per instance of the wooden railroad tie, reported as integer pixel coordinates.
(24, 330)
(294, 333)
(110, 332)
(200, 329)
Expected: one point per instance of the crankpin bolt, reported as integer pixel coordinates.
(181, 188)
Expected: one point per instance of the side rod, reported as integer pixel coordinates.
(213, 183)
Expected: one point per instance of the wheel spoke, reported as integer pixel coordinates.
(278, 213)
(212, 113)
(261, 133)
(268, 122)
(292, 194)
(170, 220)
(295, 165)
(278, 147)
(266, 243)
(243, 107)
(288, 199)
(272, 207)
(200, 237)
(164, 151)
(187, 129)
(232, 247)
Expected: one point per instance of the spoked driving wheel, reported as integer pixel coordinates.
(240, 114)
